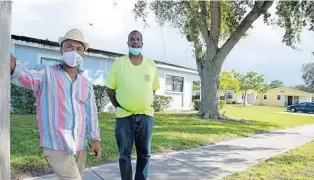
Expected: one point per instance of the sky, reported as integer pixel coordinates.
(261, 51)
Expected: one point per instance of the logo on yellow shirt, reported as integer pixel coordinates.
(147, 77)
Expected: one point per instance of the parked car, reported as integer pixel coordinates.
(303, 107)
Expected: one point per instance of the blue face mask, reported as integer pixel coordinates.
(135, 51)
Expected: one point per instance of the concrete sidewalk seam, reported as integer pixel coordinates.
(192, 166)
(96, 173)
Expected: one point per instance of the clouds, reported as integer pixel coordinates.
(261, 51)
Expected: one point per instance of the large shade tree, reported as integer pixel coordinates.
(215, 27)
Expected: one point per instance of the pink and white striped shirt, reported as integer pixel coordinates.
(66, 109)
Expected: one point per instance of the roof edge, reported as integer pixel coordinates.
(90, 50)
(291, 89)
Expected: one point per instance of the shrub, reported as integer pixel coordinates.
(101, 97)
(23, 100)
(197, 104)
(161, 102)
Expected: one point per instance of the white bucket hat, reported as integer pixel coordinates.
(76, 35)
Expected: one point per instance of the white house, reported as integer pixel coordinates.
(175, 81)
(238, 97)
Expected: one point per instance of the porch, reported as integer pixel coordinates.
(290, 100)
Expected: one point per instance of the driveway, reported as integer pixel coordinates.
(298, 113)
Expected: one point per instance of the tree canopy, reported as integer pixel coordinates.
(227, 20)
(308, 74)
(228, 81)
(276, 84)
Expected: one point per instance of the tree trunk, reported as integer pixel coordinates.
(5, 37)
(209, 75)
(244, 98)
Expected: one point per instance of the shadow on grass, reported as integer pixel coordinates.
(197, 125)
(21, 171)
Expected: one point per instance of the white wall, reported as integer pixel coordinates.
(181, 101)
(239, 99)
(251, 99)
(305, 99)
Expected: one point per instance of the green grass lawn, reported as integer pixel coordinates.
(296, 164)
(172, 131)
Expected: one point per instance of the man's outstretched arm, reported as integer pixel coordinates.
(29, 77)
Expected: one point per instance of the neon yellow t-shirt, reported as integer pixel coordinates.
(134, 85)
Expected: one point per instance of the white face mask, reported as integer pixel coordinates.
(72, 58)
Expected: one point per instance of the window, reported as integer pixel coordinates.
(303, 104)
(196, 90)
(229, 95)
(278, 97)
(311, 104)
(49, 61)
(265, 96)
(296, 99)
(174, 83)
(196, 96)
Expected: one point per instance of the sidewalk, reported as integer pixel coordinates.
(214, 161)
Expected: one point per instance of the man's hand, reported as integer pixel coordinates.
(112, 96)
(95, 148)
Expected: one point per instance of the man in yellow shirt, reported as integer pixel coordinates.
(131, 85)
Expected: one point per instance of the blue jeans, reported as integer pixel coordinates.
(135, 128)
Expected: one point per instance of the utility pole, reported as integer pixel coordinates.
(5, 41)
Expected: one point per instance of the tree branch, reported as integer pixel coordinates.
(259, 8)
(215, 11)
(204, 24)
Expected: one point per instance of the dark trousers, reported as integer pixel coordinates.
(135, 128)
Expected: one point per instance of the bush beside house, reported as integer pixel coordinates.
(221, 106)
(101, 97)
(161, 103)
(197, 105)
(23, 100)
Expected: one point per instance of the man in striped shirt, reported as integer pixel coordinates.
(66, 109)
